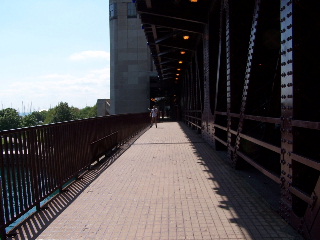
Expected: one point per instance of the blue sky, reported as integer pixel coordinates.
(53, 51)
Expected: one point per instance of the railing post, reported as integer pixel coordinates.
(2, 220)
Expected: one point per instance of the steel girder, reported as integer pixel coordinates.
(250, 84)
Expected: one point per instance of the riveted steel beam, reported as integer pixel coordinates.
(228, 79)
(246, 81)
(286, 108)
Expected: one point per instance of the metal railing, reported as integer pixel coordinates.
(193, 118)
(35, 162)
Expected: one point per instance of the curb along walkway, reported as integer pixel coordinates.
(168, 185)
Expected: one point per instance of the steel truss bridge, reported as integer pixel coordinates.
(245, 74)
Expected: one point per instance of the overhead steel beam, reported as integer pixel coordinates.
(180, 17)
(166, 52)
(176, 59)
(155, 36)
(164, 69)
(178, 46)
(165, 62)
(178, 24)
(167, 36)
(166, 74)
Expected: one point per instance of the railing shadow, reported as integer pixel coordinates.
(36, 223)
(255, 214)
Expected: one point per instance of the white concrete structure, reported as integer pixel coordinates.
(103, 107)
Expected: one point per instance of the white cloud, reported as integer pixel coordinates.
(89, 54)
(49, 90)
(54, 76)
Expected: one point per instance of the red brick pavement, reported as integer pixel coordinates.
(168, 185)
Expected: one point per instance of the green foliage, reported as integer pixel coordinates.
(49, 116)
(34, 119)
(40, 116)
(60, 113)
(88, 112)
(76, 112)
(29, 120)
(9, 119)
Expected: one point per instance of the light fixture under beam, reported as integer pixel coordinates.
(182, 52)
(186, 37)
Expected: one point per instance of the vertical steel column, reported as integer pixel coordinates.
(218, 64)
(199, 91)
(286, 18)
(193, 94)
(207, 122)
(196, 76)
(199, 108)
(189, 89)
(206, 87)
(185, 94)
(228, 78)
(188, 95)
(246, 81)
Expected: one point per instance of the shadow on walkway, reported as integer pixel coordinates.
(175, 181)
(36, 223)
(244, 182)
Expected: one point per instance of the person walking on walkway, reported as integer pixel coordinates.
(153, 115)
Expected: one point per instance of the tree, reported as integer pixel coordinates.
(9, 119)
(34, 119)
(76, 112)
(60, 113)
(49, 116)
(88, 112)
(40, 116)
(29, 120)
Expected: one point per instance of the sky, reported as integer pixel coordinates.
(53, 51)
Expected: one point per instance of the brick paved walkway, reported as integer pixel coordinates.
(168, 185)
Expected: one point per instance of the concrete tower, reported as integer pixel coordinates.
(130, 60)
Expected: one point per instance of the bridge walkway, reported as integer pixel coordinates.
(168, 184)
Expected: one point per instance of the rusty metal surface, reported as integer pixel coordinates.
(37, 161)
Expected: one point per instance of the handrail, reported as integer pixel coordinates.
(193, 118)
(37, 161)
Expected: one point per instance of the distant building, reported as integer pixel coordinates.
(130, 60)
(103, 107)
